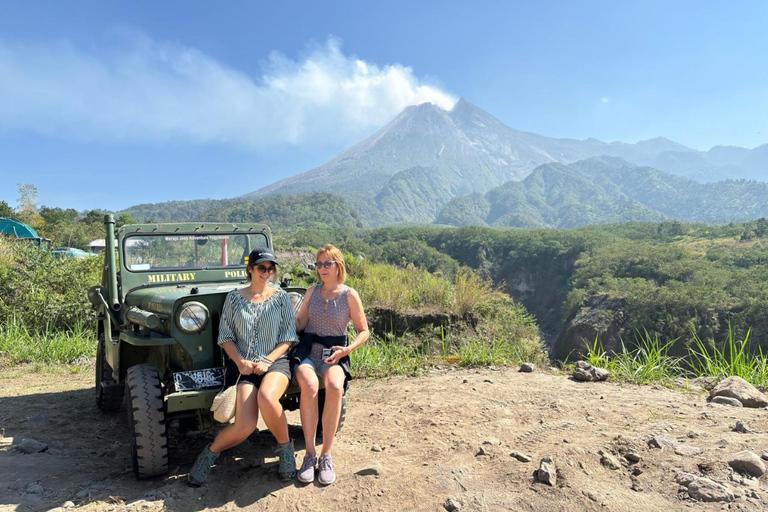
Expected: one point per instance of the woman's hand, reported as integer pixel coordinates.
(260, 368)
(338, 354)
(245, 367)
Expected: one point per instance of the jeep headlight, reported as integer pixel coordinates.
(192, 317)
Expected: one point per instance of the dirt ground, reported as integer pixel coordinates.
(408, 444)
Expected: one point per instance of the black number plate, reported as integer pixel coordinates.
(199, 379)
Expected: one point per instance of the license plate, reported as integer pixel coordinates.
(199, 379)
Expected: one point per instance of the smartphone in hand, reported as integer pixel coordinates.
(327, 352)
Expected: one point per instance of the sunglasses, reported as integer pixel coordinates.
(266, 269)
(324, 264)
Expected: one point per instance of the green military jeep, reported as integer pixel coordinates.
(158, 309)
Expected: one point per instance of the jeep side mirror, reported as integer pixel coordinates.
(286, 280)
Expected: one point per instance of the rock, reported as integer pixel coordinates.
(452, 505)
(726, 400)
(547, 472)
(684, 478)
(30, 446)
(747, 461)
(707, 383)
(608, 460)
(68, 504)
(82, 494)
(704, 489)
(585, 372)
(521, 456)
(741, 426)
(662, 440)
(34, 489)
(765, 456)
(633, 457)
(601, 315)
(527, 367)
(376, 448)
(746, 393)
(482, 451)
(686, 450)
(374, 470)
(492, 441)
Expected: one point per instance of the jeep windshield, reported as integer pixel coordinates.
(171, 252)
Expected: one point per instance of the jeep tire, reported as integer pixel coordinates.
(147, 421)
(109, 394)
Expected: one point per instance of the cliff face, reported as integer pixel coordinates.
(601, 317)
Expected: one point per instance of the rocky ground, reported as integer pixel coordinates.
(452, 440)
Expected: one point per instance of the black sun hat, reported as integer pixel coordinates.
(260, 256)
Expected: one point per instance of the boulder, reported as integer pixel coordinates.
(747, 461)
(743, 391)
(587, 373)
(527, 367)
(601, 316)
(704, 489)
(547, 472)
(726, 400)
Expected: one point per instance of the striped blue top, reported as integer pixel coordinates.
(262, 325)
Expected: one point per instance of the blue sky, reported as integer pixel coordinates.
(110, 104)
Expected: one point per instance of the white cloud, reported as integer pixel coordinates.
(153, 91)
(605, 99)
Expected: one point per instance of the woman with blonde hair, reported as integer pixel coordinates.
(323, 354)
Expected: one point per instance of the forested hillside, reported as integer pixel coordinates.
(672, 280)
(602, 191)
(320, 210)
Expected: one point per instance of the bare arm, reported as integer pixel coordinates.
(357, 315)
(302, 317)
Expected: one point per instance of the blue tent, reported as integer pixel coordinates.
(21, 231)
(17, 229)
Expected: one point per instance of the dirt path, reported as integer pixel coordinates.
(430, 431)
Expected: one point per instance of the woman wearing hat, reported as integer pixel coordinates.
(256, 330)
(323, 355)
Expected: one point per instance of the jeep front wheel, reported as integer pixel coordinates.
(109, 394)
(147, 421)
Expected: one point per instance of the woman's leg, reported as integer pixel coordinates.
(306, 378)
(272, 388)
(246, 420)
(333, 380)
(246, 417)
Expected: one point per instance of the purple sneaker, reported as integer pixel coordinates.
(326, 476)
(307, 471)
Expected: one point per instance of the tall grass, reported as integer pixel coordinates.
(19, 344)
(650, 362)
(730, 359)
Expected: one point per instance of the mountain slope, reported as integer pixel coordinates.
(606, 190)
(456, 152)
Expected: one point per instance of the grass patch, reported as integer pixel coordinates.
(18, 345)
(650, 362)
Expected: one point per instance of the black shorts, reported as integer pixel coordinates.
(231, 373)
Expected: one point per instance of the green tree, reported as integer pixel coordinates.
(6, 211)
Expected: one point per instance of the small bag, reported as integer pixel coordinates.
(223, 406)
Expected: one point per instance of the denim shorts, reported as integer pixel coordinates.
(315, 360)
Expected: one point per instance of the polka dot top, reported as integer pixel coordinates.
(328, 317)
